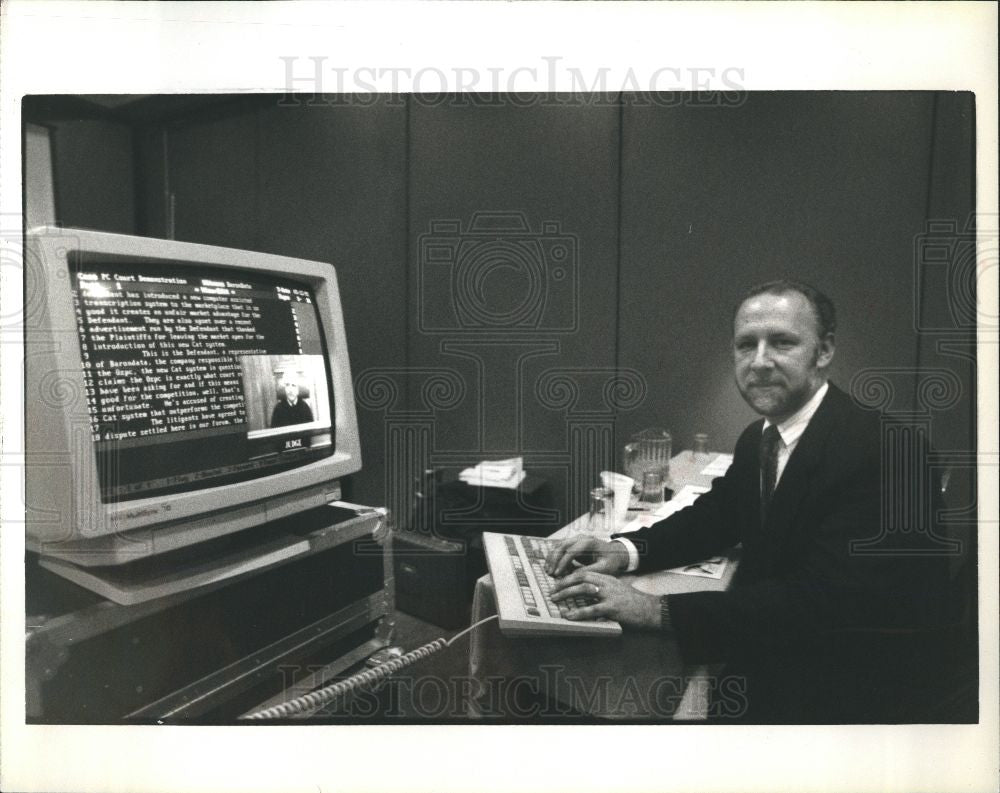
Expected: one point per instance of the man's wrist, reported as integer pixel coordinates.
(621, 557)
(631, 558)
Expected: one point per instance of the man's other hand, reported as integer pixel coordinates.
(612, 598)
(596, 555)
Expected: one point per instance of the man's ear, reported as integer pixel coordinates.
(825, 350)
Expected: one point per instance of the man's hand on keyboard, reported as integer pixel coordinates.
(596, 555)
(614, 599)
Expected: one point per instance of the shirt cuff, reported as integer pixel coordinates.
(633, 554)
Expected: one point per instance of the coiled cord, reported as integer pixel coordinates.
(367, 677)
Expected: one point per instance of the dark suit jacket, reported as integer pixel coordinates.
(285, 415)
(811, 627)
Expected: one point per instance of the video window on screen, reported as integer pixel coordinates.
(284, 393)
(198, 377)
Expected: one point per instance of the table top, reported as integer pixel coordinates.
(686, 468)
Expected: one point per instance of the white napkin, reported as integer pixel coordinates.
(496, 473)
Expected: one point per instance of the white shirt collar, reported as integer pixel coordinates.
(791, 429)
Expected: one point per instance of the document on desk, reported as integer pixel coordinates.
(496, 473)
(718, 466)
(684, 497)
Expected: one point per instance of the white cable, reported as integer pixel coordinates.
(368, 677)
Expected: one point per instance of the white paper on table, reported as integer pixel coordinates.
(684, 497)
(496, 473)
(718, 466)
(479, 479)
(503, 469)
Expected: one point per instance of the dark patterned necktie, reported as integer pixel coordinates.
(768, 467)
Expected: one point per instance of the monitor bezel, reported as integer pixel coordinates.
(54, 336)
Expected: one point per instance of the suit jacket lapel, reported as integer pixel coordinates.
(807, 456)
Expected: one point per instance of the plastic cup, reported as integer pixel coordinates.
(622, 487)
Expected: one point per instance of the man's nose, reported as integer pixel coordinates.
(762, 357)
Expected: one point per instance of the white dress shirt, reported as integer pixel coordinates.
(790, 430)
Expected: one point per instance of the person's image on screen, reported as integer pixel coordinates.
(290, 408)
(816, 631)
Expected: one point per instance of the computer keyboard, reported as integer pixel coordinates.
(522, 587)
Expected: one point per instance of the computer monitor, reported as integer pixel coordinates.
(176, 393)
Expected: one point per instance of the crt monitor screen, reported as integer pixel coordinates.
(198, 377)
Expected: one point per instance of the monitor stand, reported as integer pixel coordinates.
(215, 561)
(128, 547)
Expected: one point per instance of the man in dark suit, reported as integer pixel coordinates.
(292, 409)
(815, 630)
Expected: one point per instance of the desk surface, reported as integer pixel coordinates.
(637, 675)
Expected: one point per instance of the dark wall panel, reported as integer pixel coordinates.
(213, 179)
(94, 175)
(152, 155)
(948, 318)
(828, 188)
(324, 183)
(332, 188)
(524, 317)
(531, 341)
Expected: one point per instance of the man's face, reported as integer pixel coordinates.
(291, 390)
(779, 358)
